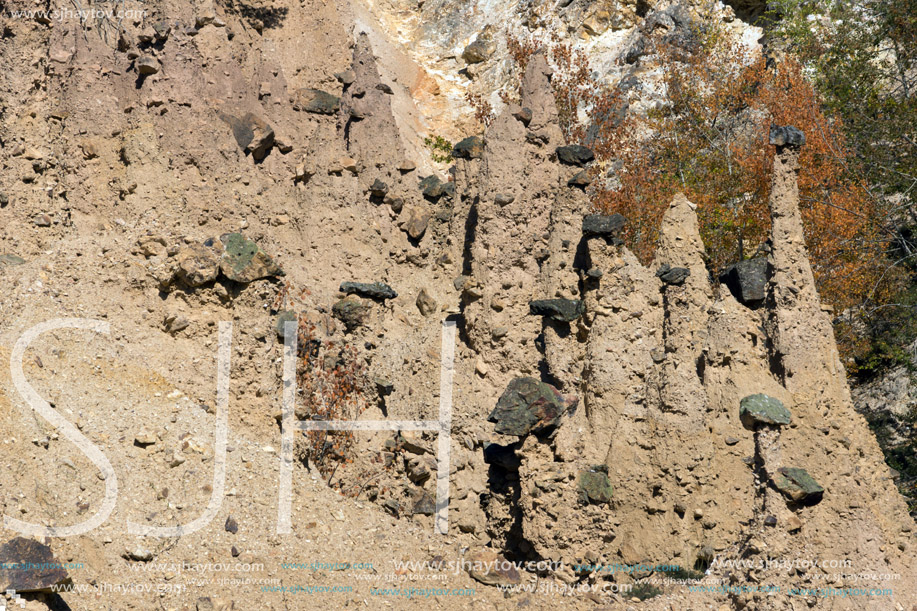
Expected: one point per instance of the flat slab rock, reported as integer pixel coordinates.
(562, 310)
(529, 406)
(675, 276)
(763, 409)
(602, 224)
(11, 260)
(492, 569)
(374, 290)
(798, 485)
(19, 555)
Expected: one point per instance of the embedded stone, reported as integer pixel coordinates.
(416, 223)
(424, 505)
(471, 147)
(523, 115)
(602, 224)
(20, 552)
(595, 485)
(425, 303)
(747, 281)
(316, 101)
(351, 311)
(432, 187)
(562, 310)
(580, 179)
(145, 437)
(11, 260)
(529, 406)
(675, 276)
(282, 319)
(787, 135)
(504, 199)
(418, 469)
(378, 188)
(575, 154)
(491, 569)
(797, 485)
(479, 50)
(147, 65)
(413, 442)
(346, 78)
(384, 386)
(198, 264)
(502, 456)
(375, 290)
(252, 133)
(244, 261)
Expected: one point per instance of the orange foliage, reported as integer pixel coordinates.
(483, 111)
(709, 140)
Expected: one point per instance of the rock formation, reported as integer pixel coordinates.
(266, 172)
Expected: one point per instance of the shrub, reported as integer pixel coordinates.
(645, 591)
(483, 111)
(330, 380)
(440, 148)
(683, 573)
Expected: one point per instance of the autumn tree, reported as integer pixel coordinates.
(862, 58)
(708, 138)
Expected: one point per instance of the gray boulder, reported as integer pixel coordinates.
(673, 275)
(602, 224)
(575, 154)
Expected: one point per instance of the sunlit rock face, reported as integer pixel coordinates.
(461, 46)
